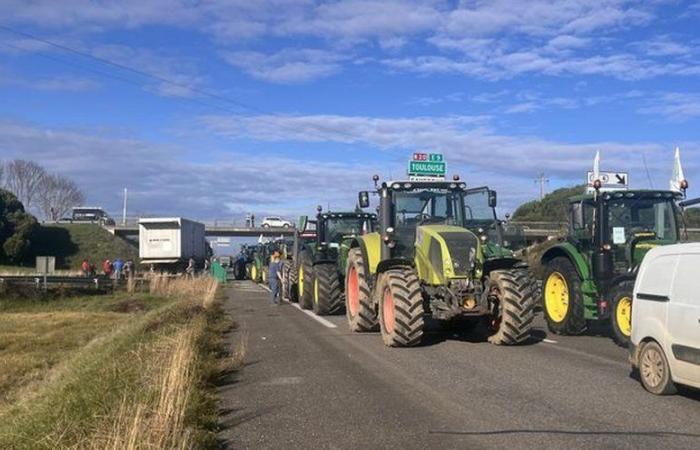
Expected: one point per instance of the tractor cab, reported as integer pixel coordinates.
(333, 228)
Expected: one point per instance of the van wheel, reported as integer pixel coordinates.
(621, 313)
(654, 370)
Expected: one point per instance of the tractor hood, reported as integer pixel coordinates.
(445, 251)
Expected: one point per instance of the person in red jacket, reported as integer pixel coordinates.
(107, 267)
(85, 268)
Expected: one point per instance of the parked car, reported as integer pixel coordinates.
(666, 319)
(275, 222)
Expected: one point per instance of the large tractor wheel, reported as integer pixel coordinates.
(248, 274)
(358, 306)
(254, 274)
(264, 275)
(293, 283)
(562, 298)
(621, 316)
(400, 308)
(305, 283)
(511, 294)
(327, 293)
(284, 288)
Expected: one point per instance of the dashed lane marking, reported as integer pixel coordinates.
(318, 319)
(549, 341)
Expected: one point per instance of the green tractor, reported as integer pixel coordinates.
(589, 275)
(321, 262)
(432, 256)
(305, 234)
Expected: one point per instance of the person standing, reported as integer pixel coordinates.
(85, 267)
(275, 277)
(107, 268)
(190, 268)
(118, 267)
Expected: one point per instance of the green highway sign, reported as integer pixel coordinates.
(427, 168)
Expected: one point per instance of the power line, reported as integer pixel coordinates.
(542, 180)
(162, 79)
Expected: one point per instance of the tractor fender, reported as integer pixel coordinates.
(502, 264)
(393, 263)
(629, 276)
(370, 247)
(567, 250)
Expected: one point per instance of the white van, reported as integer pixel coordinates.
(665, 343)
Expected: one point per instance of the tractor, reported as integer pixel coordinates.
(432, 257)
(321, 262)
(589, 275)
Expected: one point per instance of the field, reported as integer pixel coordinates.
(118, 371)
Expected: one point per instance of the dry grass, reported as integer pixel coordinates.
(141, 384)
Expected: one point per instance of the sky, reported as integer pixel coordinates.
(212, 109)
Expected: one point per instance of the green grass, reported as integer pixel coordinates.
(89, 372)
(71, 243)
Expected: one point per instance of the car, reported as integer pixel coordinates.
(275, 222)
(665, 343)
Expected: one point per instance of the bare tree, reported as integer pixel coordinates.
(57, 195)
(24, 180)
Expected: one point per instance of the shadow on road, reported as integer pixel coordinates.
(568, 432)
(475, 332)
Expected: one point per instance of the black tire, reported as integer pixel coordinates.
(621, 305)
(264, 275)
(305, 281)
(328, 297)
(573, 321)
(286, 225)
(654, 371)
(400, 307)
(266, 225)
(293, 281)
(359, 309)
(284, 288)
(512, 290)
(247, 272)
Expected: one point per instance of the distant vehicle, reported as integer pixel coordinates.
(89, 214)
(168, 243)
(276, 222)
(665, 344)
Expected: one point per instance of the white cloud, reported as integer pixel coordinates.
(63, 83)
(288, 65)
(673, 106)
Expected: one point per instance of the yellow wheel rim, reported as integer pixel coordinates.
(316, 290)
(556, 297)
(301, 281)
(254, 273)
(623, 314)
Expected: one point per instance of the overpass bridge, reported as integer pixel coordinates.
(131, 231)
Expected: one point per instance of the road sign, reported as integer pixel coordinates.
(427, 165)
(610, 181)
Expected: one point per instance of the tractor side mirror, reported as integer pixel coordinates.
(577, 220)
(493, 199)
(363, 199)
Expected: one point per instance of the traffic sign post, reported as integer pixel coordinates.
(428, 165)
(610, 181)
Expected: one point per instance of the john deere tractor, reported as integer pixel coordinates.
(321, 262)
(589, 275)
(431, 257)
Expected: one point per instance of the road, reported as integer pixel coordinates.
(313, 384)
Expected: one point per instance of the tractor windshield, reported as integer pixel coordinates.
(428, 206)
(338, 227)
(630, 215)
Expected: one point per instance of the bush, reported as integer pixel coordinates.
(17, 229)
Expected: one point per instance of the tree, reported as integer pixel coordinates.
(552, 208)
(17, 229)
(2, 171)
(24, 179)
(57, 195)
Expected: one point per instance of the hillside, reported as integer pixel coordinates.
(71, 243)
(552, 208)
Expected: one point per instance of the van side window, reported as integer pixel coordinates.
(686, 285)
(657, 276)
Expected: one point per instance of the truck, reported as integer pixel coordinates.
(168, 243)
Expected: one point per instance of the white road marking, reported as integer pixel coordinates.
(549, 341)
(318, 319)
(265, 287)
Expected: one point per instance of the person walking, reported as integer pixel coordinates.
(275, 277)
(190, 268)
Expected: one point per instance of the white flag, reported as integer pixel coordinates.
(260, 239)
(596, 166)
(677, 176)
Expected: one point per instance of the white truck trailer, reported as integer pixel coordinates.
(168, 243)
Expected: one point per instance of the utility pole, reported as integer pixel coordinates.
(542, 180)
(124, 210)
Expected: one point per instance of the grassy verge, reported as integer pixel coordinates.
(131, 372)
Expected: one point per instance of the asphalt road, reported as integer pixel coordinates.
(308, 384)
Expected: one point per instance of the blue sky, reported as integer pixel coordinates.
(275, 106)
